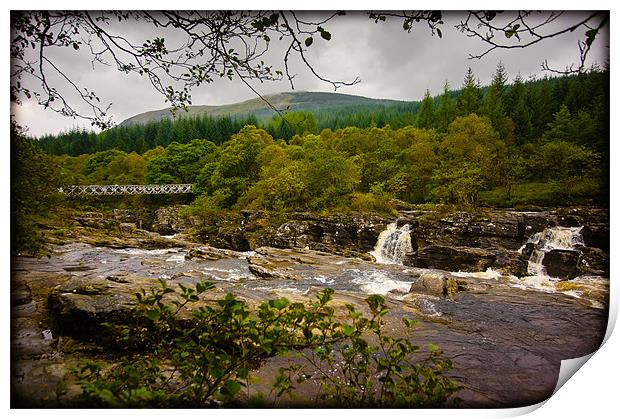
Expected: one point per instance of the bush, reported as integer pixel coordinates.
(206, 360)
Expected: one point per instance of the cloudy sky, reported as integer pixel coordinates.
(390, 62)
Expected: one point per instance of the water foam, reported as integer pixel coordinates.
(392, 245)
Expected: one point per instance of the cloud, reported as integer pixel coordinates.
(390, 62)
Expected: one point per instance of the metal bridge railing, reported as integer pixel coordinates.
(127, 189)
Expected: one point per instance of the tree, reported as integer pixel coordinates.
(493, 104)
(470, 99)
(34, 183)
(520, 111)
(562, 128)
(426, 115)
(180, 163)
(446, 111)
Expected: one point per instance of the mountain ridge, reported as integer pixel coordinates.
(286, 101)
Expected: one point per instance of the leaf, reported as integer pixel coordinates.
(409, 322)
(280, 303)
(348, 329)
(153, 314)
(432, 347)
(230, 388)
(309, 41)
(326, 35)
(439, 32)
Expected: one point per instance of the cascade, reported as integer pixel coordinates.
(563, 238)
(393, 243)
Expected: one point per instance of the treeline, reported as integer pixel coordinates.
(519, 111)
(364, 169)
(142, 137)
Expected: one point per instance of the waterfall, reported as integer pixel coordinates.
(392, 245)
(563, 238)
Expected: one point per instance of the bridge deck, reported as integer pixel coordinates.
(152, 189)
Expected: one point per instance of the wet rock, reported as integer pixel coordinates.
(209, 253)
(339, 234)
(561, 263)
(448, 258)
(593, 261)
(510, 263)
(437, 284)
(596, 235)
(271, 269)
(80, 305)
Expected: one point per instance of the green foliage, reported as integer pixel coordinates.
(376, 371)
(180, 163)
(34, 183)
(292, 123)
(206, 359)
(470, 99)
(426, 117)
(364, 165)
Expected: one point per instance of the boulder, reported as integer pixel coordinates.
(447, 258)
(510, 263)
(561, 263)
(437, 284)
(210, 253)
(593, 261)
(168, 220)
(265, 269)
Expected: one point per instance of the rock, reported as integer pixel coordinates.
(510, 263)
(593, 261)
(124, 216)
(168, 220)
(271, 269)
(127, 227)
(596, 236)
(437, 284)
(209, 253)
(448, 258)
(561, 263)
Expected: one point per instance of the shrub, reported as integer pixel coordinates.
(206, 360)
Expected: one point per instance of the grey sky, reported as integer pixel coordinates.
(391, 64)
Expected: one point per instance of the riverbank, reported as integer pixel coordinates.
(505, 333)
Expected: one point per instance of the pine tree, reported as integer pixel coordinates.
(493, 104)
(470, 100)
(446, 110)
(520, 112)
(562, 128)
(543, 106)
(426, 115)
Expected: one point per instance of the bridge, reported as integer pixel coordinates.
(152, 189)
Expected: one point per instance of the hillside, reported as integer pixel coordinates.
(290, 101)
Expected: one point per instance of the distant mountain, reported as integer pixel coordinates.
(290, 101)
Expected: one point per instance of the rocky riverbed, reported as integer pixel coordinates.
(479, 286)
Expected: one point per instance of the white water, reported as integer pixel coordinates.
(392, 245)
(563, 238)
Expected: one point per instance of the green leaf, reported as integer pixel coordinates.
(348, 329)
(280, 303)
(409, 322)
(326, 35)
(432, 347)
(309, 41)
(153, 314)
(230, 388)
